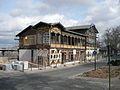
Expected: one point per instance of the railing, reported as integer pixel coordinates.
(66, 46)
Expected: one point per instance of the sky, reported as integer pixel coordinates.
(15, 15)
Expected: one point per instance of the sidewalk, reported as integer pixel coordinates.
(52, 67)
(58, 66)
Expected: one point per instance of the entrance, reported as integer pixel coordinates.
(63, 57)
(71, 57)
(40, 60)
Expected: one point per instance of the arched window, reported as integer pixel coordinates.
(57, 38)
(73, 41)
(52, 37)
(65, 40)
(68, 40)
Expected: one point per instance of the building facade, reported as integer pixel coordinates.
(52, 43)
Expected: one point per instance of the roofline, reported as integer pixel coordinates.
(84, 28)
(78, 26)
(24, 30)
(75, 33)
(95, 29)
(61, 26)
(30, 26)
(41, 23)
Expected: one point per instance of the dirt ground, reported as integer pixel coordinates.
(103, 72)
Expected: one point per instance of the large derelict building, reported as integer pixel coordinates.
(52, 43)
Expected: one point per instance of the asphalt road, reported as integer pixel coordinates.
(51, 80)
(39, 82)
(72, 71)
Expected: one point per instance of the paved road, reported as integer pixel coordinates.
(52, 80)
(72, 71)
(39, 82)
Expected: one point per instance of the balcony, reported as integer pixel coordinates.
(66, 46)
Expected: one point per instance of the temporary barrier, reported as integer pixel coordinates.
(7, 67)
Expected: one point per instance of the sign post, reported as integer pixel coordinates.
(94, 54)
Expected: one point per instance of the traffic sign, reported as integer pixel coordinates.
(94, 53)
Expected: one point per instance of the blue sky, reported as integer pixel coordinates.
(15, 15)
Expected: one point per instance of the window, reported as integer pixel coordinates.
(30, 40)
(65, 39)
(52, 37)
(39, 39)
(88, 54)
(46, 37)
(57, 38)
(51, 56)
(79, 42)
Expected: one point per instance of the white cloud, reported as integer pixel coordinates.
(18, 23)
(51, 18)
(61, 3)
(30, 8)
(12, 26)
(103, 14)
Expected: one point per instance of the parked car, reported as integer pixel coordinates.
(115, 62)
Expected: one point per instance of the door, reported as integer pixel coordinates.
(63, 57)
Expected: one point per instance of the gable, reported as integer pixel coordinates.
(56, 30)
(23, 32)
(83, 29)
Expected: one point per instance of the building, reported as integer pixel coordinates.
(51, 43)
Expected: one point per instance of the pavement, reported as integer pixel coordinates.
(39, 82)
(60, 78)
(69, 70)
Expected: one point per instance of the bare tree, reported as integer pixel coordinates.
(112, 37)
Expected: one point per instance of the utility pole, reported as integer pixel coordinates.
(108, 49)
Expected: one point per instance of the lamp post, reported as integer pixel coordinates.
(94, 54)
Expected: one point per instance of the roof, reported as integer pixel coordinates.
(75, 33)
(23, 31)
(40, 24)
(57, 24)
(74, 29)
(81, 28)
(78, 27)
(48, 24)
